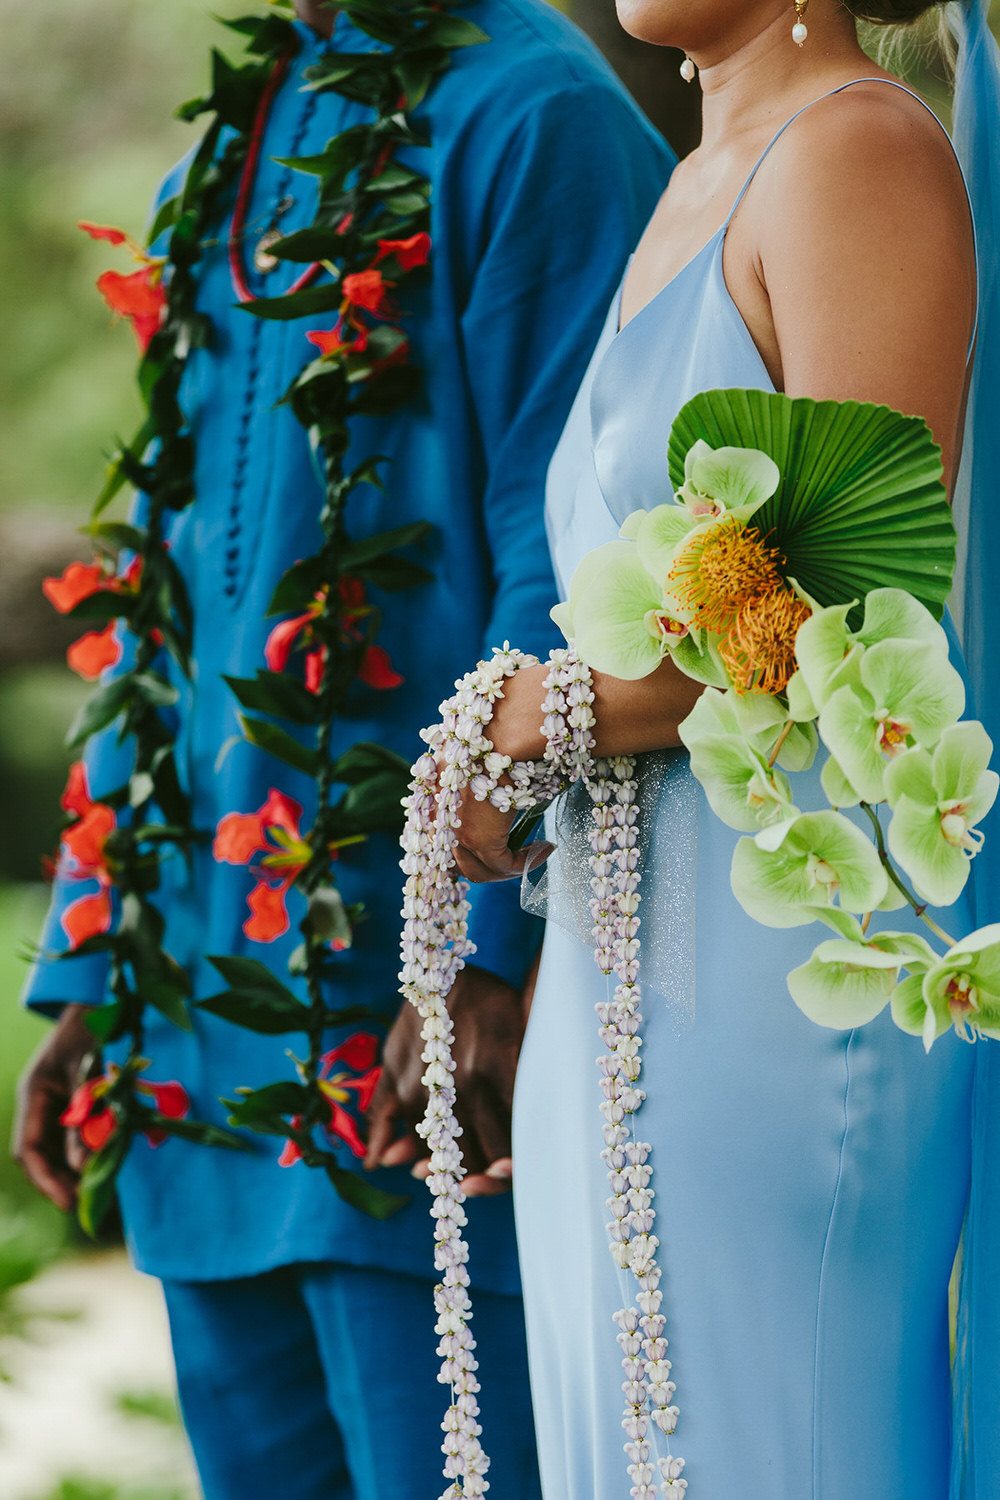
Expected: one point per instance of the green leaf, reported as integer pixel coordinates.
(256, 998)
(308, 245)
(861, 503)
(198, 1131)
(165, 218)
(375, 804)
(371, 1200)
(279, 743)
(274, 1099)
(366, 759)
(101, 708)
(105, 1022)
(312, 300)
(370, 549)
(97, 1182)
(276, 693)
(297, 588)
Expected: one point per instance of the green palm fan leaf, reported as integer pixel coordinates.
(861, 504)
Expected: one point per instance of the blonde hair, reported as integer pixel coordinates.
(899, 46)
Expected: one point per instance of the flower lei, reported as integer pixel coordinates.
(435, 946)
(368, 235)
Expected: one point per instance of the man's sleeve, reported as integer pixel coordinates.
(53, 982)
(577, 182)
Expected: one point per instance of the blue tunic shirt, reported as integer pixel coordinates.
(543, 173)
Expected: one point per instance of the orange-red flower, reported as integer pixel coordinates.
(410, 253)
(368, 290)
(78, 581)
(270, 843)
(358, 1053)
(138, 296)
(97, 650)
(83, 857)
(94, 652)
(97, 1121)
(331, 340)
(375, 669)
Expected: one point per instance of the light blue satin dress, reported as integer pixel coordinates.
(811, 1185)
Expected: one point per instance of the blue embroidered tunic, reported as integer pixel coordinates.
(543, 174)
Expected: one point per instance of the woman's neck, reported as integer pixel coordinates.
(316, 13)
(759, 73)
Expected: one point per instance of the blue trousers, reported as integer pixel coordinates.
(318, 1382)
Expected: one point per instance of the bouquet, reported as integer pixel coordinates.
(801, 573)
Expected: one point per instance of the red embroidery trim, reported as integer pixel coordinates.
(248, 177)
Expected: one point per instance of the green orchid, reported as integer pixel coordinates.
(756, 718)
(790, 872)
(904, 695)
(625, 625)
(962, 990)
(614, 613)
(717, 480)
(937, 798)
(657, 534)
(829, 653)
(850, 979)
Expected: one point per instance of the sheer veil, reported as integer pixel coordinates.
(976, 1464)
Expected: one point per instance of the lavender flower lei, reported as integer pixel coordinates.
(436, 945)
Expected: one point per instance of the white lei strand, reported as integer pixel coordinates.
(436, 945)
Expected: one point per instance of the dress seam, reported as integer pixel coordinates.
(815, 1492)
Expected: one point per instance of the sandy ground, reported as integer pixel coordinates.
(58, 1415)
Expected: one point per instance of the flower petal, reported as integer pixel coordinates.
(735, 476)
(238, 837)
(344, 1127)
(269, 915)
(844, 984)
(610, 595)
(78, 581)
(358, 1052)
(281, 640)
(94, 652)
(377, 671)
(88, 917)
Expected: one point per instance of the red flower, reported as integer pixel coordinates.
(377, 671)
(94, 652)
(410, 253)
(332, 341)
(282, 638)
(104, 232)
(170, 1099)
(82, 857)
(139, 297)
(97, 1121)
(292, 1151)
(272, 832)
(77, 582)
(368, 290)
(358, 1052)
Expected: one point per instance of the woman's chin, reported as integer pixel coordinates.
(645, 20)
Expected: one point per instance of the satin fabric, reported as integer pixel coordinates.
(811, 1185)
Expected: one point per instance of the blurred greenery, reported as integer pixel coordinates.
(82, 1487)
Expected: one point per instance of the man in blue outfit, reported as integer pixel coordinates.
(303, 1330)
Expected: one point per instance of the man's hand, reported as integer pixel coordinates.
(489, 1019)
(50, 1155)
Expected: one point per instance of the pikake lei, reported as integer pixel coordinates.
(435, 947)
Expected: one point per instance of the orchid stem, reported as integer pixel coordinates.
(786, 730)
(919, 907)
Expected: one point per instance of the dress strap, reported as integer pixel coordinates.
(891, 83)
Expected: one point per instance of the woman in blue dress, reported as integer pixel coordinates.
(811, 1185)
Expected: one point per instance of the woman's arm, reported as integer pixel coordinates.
(853, 265)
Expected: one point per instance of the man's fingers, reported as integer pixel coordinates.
(401, 1152)
(40, 1143)
(492, 1124)
(382, 1116)
(486, 1185)
(55, 1183)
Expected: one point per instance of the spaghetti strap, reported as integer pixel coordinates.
(840, 89)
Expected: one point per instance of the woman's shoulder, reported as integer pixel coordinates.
(870, 146)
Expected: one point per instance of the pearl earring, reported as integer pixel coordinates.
(800, 30)
(688, 70)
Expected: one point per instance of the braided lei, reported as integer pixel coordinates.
(436, 945)
(368, 237)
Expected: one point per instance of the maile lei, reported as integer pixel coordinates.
(800, 574)
(368, 236)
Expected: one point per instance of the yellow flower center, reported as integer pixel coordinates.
(723, 568)
(891, 734)
(759, 650)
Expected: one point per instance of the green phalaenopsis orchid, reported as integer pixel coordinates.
(801, 573)
(938, 797)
